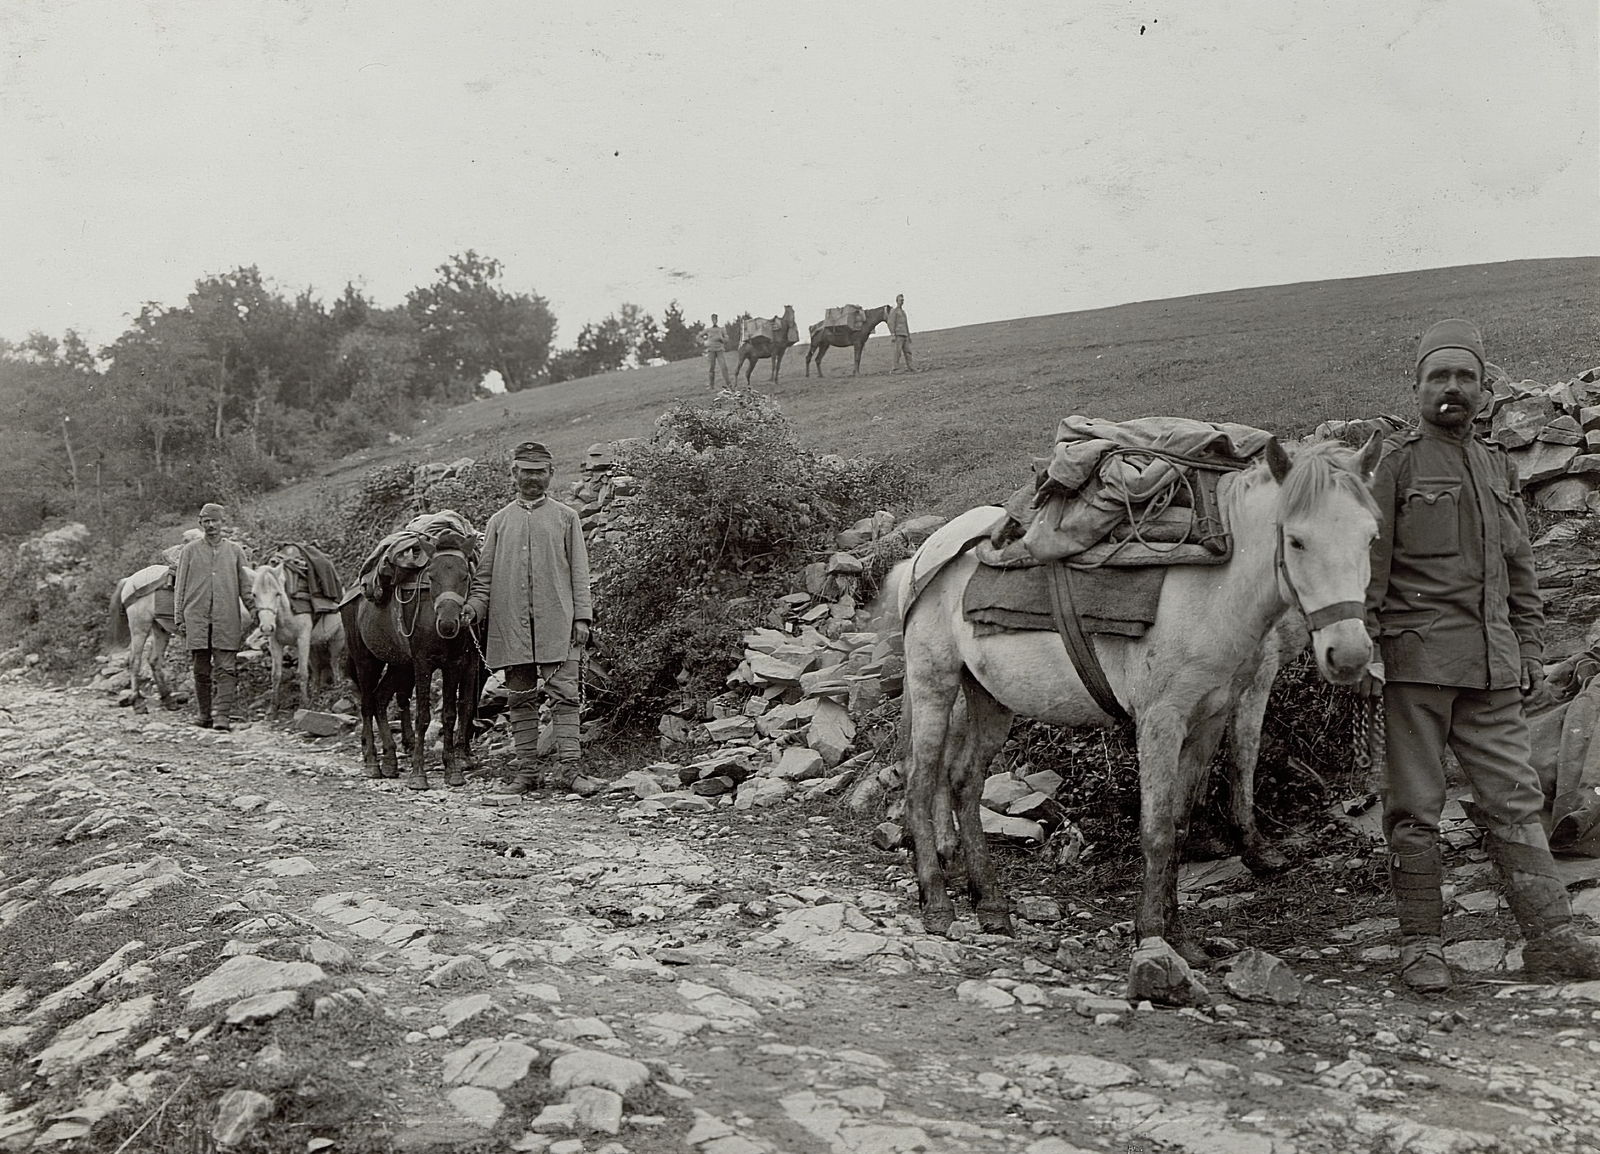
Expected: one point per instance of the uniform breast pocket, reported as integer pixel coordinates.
(1428, 521)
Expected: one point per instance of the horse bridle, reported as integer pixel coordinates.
(448, 597)
(1317, 618)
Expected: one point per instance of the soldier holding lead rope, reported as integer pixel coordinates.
(531, 592)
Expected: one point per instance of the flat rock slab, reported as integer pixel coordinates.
(290, 867)
(459, 1010)
(254, 1009)
(1478, 955)
(95, 1034)
(596, 1109)
(595, 1068)
(247, 975)
(238, 1112)
(482, 1108)
(490, 1064)
(1257, 976)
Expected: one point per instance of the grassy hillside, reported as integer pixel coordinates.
(1284, 357)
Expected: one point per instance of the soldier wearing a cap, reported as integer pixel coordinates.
(531, 592)
(1455, 612)
(211, 582)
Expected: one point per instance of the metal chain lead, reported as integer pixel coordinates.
(1360, 736)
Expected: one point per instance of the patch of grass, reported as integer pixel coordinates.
(1284, 357)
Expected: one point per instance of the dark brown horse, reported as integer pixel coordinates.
(421, 629)
(785, 332)
(825, 337)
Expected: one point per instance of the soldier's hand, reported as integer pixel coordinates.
(1371, 683)
(580, 634)
(1532, 675)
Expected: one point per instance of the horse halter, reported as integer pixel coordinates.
(1316, 618)
(448, 597)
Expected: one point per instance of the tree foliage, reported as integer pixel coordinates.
(468, 325)
(680, 341)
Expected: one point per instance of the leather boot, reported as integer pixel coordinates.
(1417, 879)
(524, 779)
(1554, 950)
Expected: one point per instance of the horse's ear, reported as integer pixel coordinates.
(1371, 454)
(1277, 460)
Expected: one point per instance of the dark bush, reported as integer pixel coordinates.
(729, 507)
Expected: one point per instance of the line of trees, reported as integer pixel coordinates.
(243, 385)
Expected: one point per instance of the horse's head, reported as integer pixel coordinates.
(267, 585)
(448, 574)
(1326, 521)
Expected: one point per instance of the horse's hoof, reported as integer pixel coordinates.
(938, 922)
(372, 769)
(415, 781)
(140, 707)
(1194, 954)
(170, 705)
(1264, 860)
(454, 777)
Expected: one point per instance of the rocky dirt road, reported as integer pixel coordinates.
(213, 940)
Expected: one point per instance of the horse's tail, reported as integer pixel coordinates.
(887, 609)
(118, 635)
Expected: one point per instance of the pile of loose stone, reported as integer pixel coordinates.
(1552, 432)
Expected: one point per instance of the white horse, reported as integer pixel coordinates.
(274, 587)
(134, 624)
(1301, 530)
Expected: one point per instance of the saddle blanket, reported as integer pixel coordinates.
(1122, 602)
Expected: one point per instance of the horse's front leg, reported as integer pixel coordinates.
(276, 649)
(1244, 746)
(449, 706)
(418, 777)
(1161, 737)
(302, 670)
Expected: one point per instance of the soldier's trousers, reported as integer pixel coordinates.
(216, 683)
(562, 690)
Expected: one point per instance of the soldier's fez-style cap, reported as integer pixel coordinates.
(211, 509)
(1451, 334)
(532, 452)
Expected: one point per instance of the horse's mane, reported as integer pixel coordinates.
(1317, 467)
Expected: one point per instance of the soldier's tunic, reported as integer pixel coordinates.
(210, 584)
(1454, 607)
(531, 584)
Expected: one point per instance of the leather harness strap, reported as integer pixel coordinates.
(1079, 647)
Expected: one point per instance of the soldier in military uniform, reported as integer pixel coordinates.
(1454, 608)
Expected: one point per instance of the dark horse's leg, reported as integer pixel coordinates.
(453, 693)
(422, 669)
(395, 686)
(364, 670)
(860, 345)
(819, 347)
(777, 361)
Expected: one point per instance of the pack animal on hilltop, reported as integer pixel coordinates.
(405, 618)
(763, 339)
(844, 328)
(1298, 528)
(294, 615)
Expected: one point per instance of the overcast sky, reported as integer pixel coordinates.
(987, 160)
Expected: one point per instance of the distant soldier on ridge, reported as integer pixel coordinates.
(900, 331)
